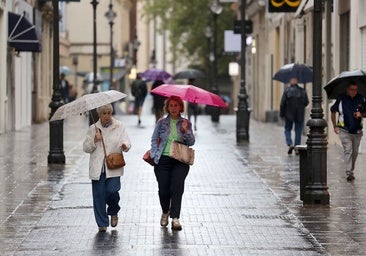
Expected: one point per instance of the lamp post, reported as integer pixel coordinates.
(243, 113)
(208, 35)
(216, 9)
(316, 191)
(56, 153)
(93, 114)
(111, 15)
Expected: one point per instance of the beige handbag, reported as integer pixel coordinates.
(181, 152)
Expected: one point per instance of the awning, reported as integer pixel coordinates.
(22, 35)
(118, 74)
(305, 6)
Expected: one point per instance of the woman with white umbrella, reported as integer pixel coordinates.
(106, 183)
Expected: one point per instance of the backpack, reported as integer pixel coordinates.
(138, 88)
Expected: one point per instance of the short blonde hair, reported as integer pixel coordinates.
(105, 107)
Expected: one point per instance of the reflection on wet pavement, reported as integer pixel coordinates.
(239, 199)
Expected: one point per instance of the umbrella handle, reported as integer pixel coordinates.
(90, 113)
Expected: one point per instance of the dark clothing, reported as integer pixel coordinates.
(293, 103)
(139, 88)
(192, 109)
(346, 107)
(170, 175)
(158, 100)
(292, 109)
(65, 90)
(139, 91)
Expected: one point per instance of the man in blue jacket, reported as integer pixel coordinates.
(350, 108)
(292, 110)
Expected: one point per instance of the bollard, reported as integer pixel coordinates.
(304, 176)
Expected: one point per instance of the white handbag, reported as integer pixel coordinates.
(181, 152)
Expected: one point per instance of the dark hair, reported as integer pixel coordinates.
(351, 82)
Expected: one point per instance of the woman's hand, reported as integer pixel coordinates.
(124, 147)
(184, 126)
(357, 114)
(98, 136)
(336, 130)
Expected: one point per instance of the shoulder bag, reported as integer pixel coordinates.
(113, 160)
(181, 152)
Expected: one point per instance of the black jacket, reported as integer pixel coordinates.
(293, 103)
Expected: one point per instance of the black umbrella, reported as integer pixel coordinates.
(338, 84)
(189, 73)
(302, 72)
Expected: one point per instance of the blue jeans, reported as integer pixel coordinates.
(298, 131)
(105, 198)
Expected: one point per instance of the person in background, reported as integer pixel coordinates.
(292, 110)
(158, 101)
(139, 91)
(65, 86)
(350, 107)
(169, 172)
(193, 108)
(72, 92)
(105, 183)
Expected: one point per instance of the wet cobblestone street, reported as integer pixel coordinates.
(238, 200)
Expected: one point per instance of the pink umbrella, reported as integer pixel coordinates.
(190, 93)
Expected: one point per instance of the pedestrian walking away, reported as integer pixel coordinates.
(193, 108)
(139, 91)
(65, 87)
(158, 101)
(169, 172)
(292, 110)
(350, 107)
(106, 183)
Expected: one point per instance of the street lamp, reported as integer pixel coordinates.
(93, 114)
(56, 154)
(243, 113)
(211, 57)
(111, 15)
(316, 191)
(216, 9)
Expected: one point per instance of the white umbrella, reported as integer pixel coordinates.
(65, 70)
(87, 103)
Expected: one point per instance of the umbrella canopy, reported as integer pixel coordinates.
(190, 93)
(86, 103)
(154, 74)
(338, 84)
(189, 73)
(65, 70)
(302, 72)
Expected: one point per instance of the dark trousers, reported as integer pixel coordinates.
(105, 193)
(171, 175)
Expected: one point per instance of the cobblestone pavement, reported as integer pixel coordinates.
(238, 200)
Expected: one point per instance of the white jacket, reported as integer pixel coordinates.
(114, 136)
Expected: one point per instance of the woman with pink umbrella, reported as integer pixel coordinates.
(171, 173)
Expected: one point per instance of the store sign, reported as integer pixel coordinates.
(283, 5)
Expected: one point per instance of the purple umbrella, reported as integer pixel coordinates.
(154, 74)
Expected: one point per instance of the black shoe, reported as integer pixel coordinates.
(290, 149)
(350, 177)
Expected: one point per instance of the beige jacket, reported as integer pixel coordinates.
(114, 136)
